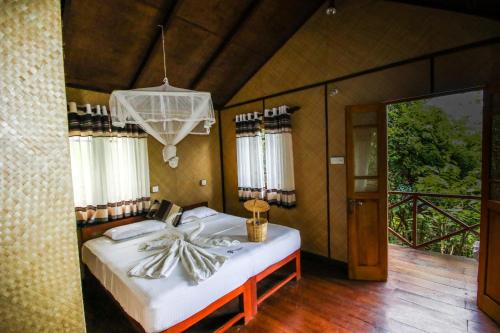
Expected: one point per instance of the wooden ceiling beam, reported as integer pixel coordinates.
(227, 39)
(65, 9)
(169, 15)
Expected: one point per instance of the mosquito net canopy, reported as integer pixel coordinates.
(167, 113)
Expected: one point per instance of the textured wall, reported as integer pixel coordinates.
(40, 280)
(409, 80)
(308, 128)
(363, 34)
(199, 158)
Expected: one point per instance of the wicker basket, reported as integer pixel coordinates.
(257, 229)
(256, 226)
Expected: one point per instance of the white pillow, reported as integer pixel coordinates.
(196, 214)
(134, 229)
(200, 212)
(187, 219)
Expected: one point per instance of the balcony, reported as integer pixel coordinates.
(444, 223)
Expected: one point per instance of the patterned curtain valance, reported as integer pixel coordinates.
(111, 211)
(277, 120)
(95, 121)
(248, 124)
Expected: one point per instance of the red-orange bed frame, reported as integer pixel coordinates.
(247, 292)
(249, 300)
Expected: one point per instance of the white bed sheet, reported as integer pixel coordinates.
(161, 303)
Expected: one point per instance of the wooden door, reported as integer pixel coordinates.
(488, 294)
(366, 139)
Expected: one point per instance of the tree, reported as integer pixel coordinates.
(430, 152)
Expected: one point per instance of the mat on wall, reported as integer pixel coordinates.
(40, 288)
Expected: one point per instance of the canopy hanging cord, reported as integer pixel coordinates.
(165, 80)
(167, 113)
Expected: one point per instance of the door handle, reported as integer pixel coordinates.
(351, 203)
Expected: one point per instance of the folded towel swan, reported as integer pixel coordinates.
(189, 248)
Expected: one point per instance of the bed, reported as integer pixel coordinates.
(174, 304)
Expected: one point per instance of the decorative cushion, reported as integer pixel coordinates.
(153, 209)
(174, 215)
(163, 210)
(169, 212)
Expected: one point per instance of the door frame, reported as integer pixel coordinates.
(485, 303)
(409, 99)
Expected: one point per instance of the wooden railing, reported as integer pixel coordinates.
(420, 202)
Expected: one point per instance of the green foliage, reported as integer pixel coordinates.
(430, 152)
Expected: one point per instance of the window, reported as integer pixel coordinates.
(109, 166)
(265, 156)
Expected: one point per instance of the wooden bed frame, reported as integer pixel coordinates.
(247, 292)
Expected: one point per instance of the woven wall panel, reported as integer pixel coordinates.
(363, 34)
(161, 174)
(199, 158)
(82, 96)
(308, 128)
(309, 149)
(408, 80)
(40, 287)
(456, 71)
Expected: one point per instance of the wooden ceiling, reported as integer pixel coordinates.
(211, 45)
(486, 8)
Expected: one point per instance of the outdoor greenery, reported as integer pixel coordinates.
(431, 152)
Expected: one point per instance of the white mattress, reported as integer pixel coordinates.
(161, 303)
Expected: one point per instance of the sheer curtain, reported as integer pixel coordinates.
(109, 167)
(280, 183)
(365, 158)
(250, 155)
(167, 113)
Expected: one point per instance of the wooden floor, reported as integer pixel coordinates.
(425, 292)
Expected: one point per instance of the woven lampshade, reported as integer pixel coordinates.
(256, 206)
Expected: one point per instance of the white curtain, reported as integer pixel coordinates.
(365, 158)
(250, 156)
(110, 169)
(280, 183)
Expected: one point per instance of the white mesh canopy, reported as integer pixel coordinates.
(167, 113)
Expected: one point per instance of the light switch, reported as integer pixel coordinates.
(337, 160)
(155, 189)
(203, 182)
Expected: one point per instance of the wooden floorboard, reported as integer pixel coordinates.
(425, 292)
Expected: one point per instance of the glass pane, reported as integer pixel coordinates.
(495, 148)
(495, 191)
(364, 118)
(365, 151)
(366, 185)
